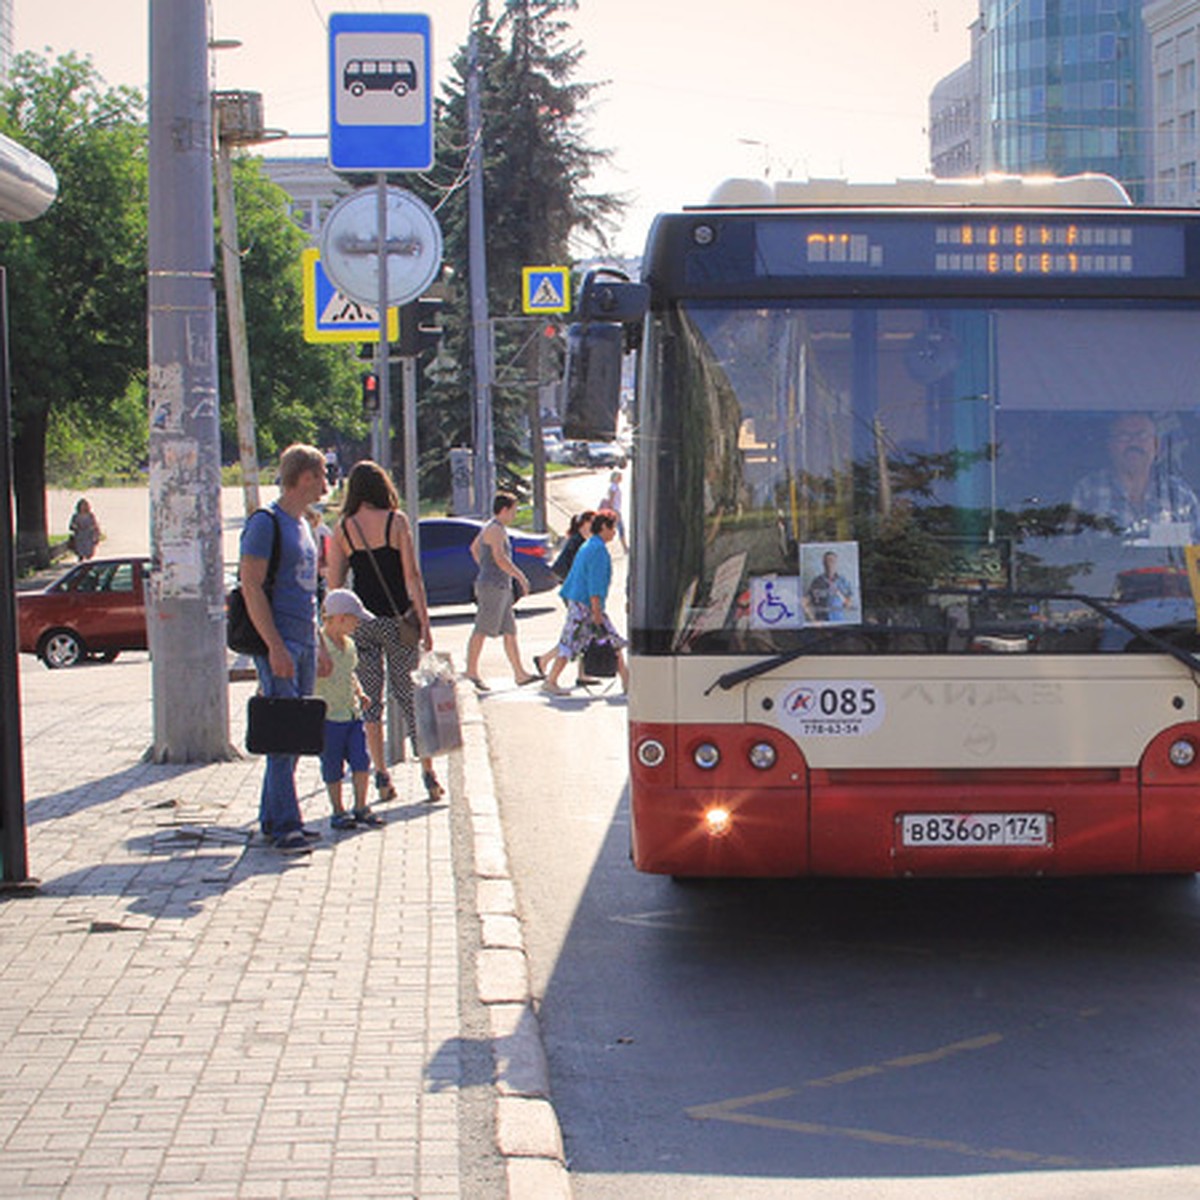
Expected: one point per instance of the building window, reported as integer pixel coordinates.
(1166, 141)
(1187, 183)
(1165, 89)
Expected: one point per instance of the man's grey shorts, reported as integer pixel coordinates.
(495, 613)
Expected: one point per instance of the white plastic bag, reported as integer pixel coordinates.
(435, 704)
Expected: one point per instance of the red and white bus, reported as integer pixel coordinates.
(911, 513)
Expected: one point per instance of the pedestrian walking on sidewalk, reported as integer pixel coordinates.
(286, 618)
(85, 531)
(578, 532)
(345, 741)
(373, 540)
(492, 550)
(611, 502)
(585, 591)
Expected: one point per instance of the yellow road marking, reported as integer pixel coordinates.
(881, 1138)
(734, 1110)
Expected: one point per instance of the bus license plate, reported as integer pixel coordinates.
(934, 830)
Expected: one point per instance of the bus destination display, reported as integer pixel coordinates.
(971, 247)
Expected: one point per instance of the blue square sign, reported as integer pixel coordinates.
(380, 92)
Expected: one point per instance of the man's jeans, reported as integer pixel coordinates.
(279, 807)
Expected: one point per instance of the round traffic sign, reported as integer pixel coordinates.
(412, 245)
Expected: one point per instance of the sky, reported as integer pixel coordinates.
(692, 92)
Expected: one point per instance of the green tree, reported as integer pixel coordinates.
(537, 163)
(302, 391)
(77, 275)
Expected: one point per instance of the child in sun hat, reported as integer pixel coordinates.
(345, 739)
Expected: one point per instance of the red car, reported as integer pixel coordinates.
(97, 609)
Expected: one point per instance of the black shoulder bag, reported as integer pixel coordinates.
(241, 634)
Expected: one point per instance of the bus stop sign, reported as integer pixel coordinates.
(380, 92)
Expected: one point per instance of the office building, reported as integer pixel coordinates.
(1173, 33)
(312, 186)
(1062, 88)
(955, 140)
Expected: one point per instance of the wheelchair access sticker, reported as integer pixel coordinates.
(831, 708)
(775, 602)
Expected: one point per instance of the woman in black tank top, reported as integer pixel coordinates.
(373, 541)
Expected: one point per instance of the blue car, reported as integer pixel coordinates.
(449, 570)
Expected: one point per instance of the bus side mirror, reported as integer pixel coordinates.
(608, 302)
(593, 382)
(607, 295)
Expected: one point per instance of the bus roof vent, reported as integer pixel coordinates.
(1076, 191)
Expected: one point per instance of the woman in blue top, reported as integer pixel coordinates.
(585, 591)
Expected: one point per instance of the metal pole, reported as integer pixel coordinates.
(394, 725)
(538, 447)
(235, 308)
(412, 504)
(186, 600)
(485, 466)
(383, 450)
(14, 858)
(412, 484)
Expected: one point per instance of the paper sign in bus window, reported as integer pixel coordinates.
(695, 619)
(829, 574)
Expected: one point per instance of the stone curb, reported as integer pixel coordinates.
(527, 1130)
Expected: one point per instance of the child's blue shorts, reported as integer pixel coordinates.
(345, 742)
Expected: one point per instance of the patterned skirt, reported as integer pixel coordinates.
(578, 630)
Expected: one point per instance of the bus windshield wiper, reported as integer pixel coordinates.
(1109, 613)
(732, 678)
(1103, 608)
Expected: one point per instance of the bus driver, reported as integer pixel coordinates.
(1136, 494)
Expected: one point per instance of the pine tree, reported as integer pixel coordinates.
(537, 163)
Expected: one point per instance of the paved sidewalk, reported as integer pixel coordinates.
(185, 1012)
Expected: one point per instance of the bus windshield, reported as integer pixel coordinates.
(888, 476)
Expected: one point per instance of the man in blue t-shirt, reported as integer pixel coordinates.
(286, 617)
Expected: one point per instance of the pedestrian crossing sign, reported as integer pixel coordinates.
(546, 289)
(331, 316)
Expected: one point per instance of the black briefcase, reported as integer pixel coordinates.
(285, 725)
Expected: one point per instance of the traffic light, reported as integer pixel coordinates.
(370, 392)
(420, 329)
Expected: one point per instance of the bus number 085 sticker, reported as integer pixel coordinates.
(832, 708)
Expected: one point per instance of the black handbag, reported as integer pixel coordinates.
(241, 634)
(285, 725)
(600, 658)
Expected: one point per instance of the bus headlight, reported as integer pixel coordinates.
(650, 753)
(1182, 753)
(762, 755)
(718, 821)
(706, 756)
